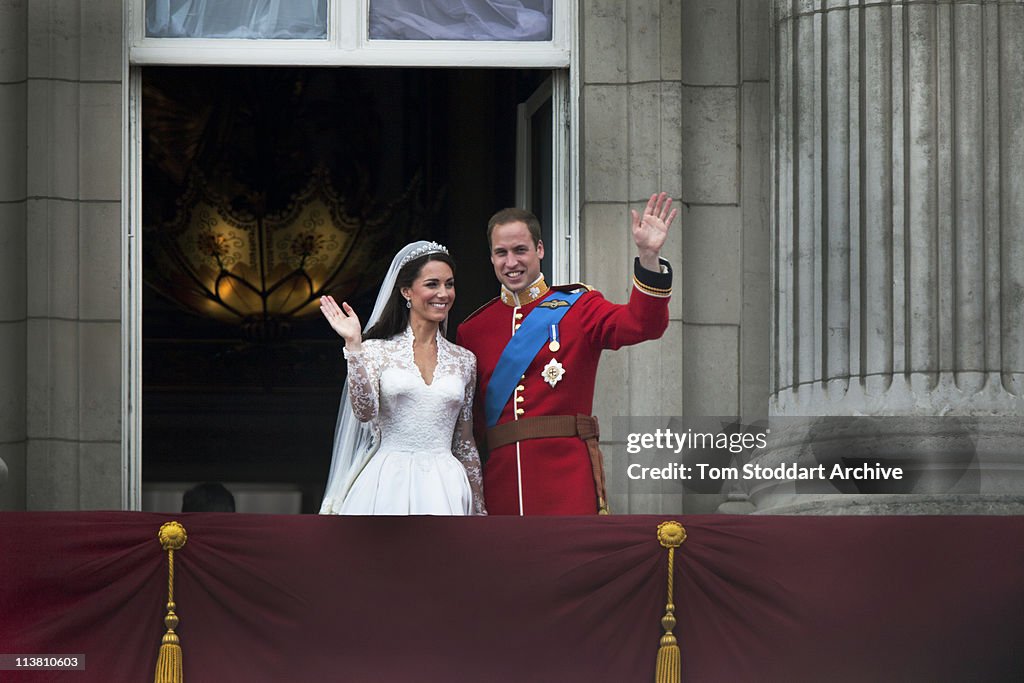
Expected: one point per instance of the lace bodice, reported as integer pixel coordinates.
(386, 386)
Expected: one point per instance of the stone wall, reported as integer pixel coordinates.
(13, 203)
(60, 189)
(675, 97)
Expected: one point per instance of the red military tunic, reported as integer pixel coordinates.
(553, 476)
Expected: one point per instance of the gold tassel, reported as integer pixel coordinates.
(669, 667)
(168, 663)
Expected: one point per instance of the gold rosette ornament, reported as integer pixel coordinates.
(172, 537)
(669, 670)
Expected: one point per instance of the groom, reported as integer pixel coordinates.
(537, 350)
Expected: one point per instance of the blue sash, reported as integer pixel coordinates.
(520, 351)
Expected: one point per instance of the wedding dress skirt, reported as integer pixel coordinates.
(426, 463)
(410, 482)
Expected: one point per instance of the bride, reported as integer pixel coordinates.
(404, 442)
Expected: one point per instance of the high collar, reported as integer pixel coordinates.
(535, 291)
(410, 337)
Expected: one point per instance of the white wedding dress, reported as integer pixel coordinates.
(426, 462)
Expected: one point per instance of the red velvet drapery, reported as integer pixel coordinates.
(309, 598)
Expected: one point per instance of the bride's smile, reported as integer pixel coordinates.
(432, 293)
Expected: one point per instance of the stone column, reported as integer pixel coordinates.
(898, 227)
(73, 255)
(13, 122)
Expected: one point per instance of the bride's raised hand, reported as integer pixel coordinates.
(343, 320)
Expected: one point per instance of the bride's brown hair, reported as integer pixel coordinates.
(395, 316)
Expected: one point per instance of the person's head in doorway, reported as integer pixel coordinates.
(208, 497)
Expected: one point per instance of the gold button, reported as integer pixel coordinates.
(518, 326)
(519, 411)
(519, 399)
(520, 388)
(519, 316)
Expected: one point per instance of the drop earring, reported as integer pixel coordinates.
(408, 303)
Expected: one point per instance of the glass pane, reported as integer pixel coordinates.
(516, 20)
(540, 177)
(236, 19)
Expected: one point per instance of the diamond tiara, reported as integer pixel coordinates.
(429, 248)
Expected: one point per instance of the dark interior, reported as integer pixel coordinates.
(223, 405)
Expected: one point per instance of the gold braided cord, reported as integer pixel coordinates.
(643, 285)
(169, 668)
(653, 291)
(671, 573)
(170, 575)
(669, 664)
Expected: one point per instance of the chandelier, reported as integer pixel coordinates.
(228, 259)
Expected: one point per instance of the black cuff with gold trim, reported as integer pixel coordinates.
(650, 282)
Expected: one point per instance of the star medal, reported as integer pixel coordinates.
(553, 345)
(552, 372)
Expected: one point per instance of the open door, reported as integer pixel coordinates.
(542, 171)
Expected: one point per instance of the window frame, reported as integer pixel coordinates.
(348, 44)
(349, 47)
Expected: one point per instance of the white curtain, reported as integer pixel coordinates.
(236, 19)
(522, 20)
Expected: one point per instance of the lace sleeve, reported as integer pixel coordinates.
(363, 383)
(464, 445)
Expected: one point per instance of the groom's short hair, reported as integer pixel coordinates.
(512, 215)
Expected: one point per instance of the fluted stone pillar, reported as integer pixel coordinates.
(898, 227)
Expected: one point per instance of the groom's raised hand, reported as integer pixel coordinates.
(651, 229)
